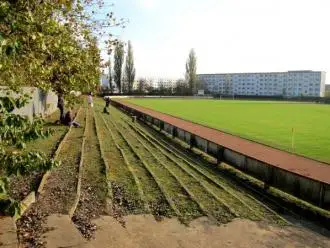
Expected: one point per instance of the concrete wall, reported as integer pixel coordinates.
(156, 122)
(201, 144)
(187, 137)
(212, 149)
(42, 103)
(301, 187)
(327, 196)
(309, 190)
(285, 181)
(168, 128)
(180, 134)
(234, 158)
(257, 169)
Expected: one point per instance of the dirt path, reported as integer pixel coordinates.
(296, 164)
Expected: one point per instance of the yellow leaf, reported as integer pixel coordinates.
(43, 46)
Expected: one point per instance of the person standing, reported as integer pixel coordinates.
(107, 104)
(60, 105)
(90, 99)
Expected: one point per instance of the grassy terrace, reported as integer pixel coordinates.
(22, 186)
(270, 123)
(126, 168)
(148, 175)
(60, 188)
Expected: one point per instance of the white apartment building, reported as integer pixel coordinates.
(290, 83)
(157, 82)
(165, 83)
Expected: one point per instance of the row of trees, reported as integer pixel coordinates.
(179, 87)
(186, 87)
(124, 80)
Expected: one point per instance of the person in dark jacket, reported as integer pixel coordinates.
(107, 104)
(60, 105)
(69, 119)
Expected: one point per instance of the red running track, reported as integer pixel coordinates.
(296, 164)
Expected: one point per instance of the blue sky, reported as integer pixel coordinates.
(228, 35)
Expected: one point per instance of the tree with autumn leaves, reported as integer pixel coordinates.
(52, 45)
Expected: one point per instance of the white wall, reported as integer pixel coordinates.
(42, 103)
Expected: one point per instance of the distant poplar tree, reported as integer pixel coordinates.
(191, 67)
(118, 65)
(142, 85)
(110, 77)
(129, 68)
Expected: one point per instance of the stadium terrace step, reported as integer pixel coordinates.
(63, 233)
(8, 236)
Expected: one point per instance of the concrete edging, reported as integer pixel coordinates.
(81, 162)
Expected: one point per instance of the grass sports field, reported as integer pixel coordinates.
(267, 122)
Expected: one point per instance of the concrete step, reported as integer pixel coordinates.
(63, 233)
(8, 236)
(110, 234)
(143, 231)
